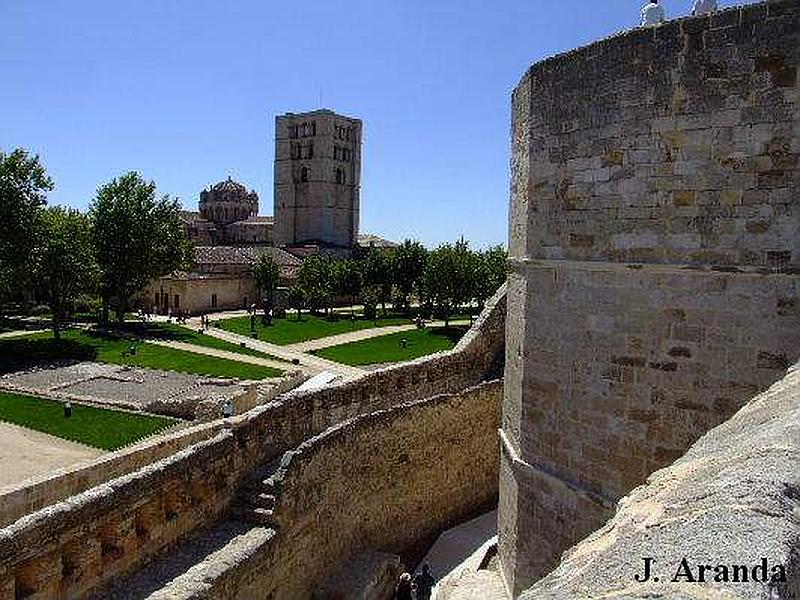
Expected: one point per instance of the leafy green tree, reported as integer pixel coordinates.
(409, 264)
(378, 270)
(137, 238)
(315, 279)
(448, 279)
(490, 272)
(64, 261)
(369, 298)
(296, 299)
(267, 275)
(23, 189)
(347, 280)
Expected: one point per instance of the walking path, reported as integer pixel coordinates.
(361, 334)
(25, 453)
(456, 560)
(310, 362)
(21, 332)
(236, 356)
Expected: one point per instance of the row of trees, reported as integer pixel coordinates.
(128, 238)
(131, 236)
(441, 280)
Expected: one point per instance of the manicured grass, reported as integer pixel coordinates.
(109, 347)
(389, 348)
(98, 427)
(291, 331)
(173, 332)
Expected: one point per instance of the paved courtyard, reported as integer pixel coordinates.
(25, 453)
(163, 392)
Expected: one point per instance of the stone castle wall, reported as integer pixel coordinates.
(654, 254)
(81, 530)
(732, 499)
(402, 475)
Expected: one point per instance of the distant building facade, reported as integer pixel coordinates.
(316, 204)
(317, 179)
(221, 278)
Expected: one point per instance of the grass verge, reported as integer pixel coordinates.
(290, 330)
(177, 333)
(109, 347)
(390, 348)
(98, 427)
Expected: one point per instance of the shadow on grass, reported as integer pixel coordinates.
(21, 354)
(454, 334)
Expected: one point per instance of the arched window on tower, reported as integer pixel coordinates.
(303, 174)
(310, 150)
(339, 175)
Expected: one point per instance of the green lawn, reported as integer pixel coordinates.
(171, 331)
(98, 427)
(108, 347)
(291, 331)
(389, 348)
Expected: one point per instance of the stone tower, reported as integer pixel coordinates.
(654, 258)
(317, 178)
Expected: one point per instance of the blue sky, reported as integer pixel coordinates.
(186, 91)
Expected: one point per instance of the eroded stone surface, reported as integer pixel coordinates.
(732, 499)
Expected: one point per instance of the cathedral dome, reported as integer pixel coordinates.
(227, 202)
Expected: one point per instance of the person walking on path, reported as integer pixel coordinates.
(403, 589)
(704, 7)
(652, 14)
(423, 583)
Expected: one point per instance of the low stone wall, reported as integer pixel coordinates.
(35, 494)
(732, 499)
(402, 475)
(68, 548)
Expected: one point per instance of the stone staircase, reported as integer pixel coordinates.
(258, 499)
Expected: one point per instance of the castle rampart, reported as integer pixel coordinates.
(84, 533)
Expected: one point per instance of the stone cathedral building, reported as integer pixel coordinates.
(316, 209)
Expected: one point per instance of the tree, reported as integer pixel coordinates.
(64, 261)
(295, 299)
(267, 275)
(314, 279)
(490, 272)
(448, 278)
(137, 238)
(379, 274)
(23, 189)
(409, 264)
(347, 280)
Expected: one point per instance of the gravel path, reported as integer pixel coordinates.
(313, 364)
(25, 453)
(20, 332)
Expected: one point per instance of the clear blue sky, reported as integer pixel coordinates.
(186, 91)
